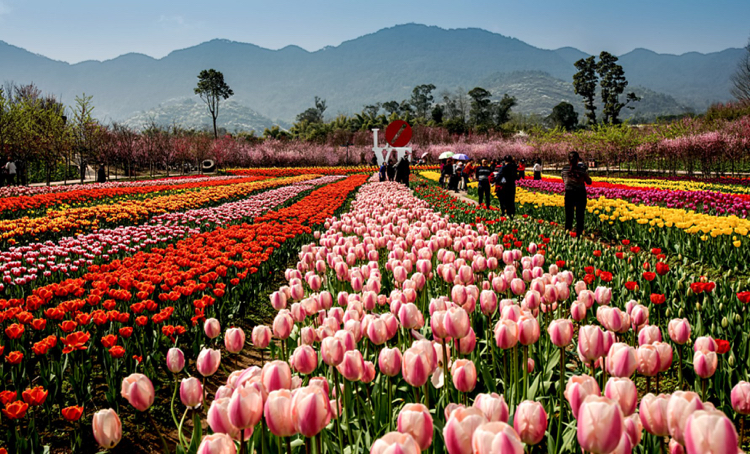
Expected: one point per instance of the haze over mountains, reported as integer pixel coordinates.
(382, 66)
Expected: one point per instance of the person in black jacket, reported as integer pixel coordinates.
(402, 171)
(391, 170)
(508, 175)
(482, 174)
(101, 175)
(575, 176)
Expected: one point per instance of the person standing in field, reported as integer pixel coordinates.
(575, 176)
(10, 168)
(469, 169)
(538, 169)
(482, 174)
(508, 175)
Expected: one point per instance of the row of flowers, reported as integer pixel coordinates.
(38, 264)
(713, 240)
(121, 313)
(78, 220)
(287, 171)
(445, 336)
(37, 205)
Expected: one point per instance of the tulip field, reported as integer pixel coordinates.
(315, 310)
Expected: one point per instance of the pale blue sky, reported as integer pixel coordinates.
(76, 30)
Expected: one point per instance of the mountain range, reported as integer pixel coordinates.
(273, 86)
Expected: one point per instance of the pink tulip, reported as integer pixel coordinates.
(528, 330)
(377, 331)
(217, 443)
(261, 336)
(705, 344)
(679, 330)
(395, 443)
(741, 398)
(234, 340)
(710, 432)
(409, 316)
(634, 428)
(649, 334)
(464, 375)
(506, 334)
(218, 417)
(653, 414)
(352, 366)
(208, 362)
(212, 328)
(624, 392)
(175, 360)
(621, 360)
(224, 391)
(603, 295)
(276, 375)
(457, 322)
(517, 286)
(245, 407)
(681, 405)
(389, 361)
(496, 437)
(311, 410)
(600, 425)
(639, 315)
(138, 390)
(278, 300)
(468, 343)
(488, 302)
(647, 357)
(107, 428)
(675, 448)
(460, 428)
(415, 420)
(705, 363)
(578, 388)
(665, 355)
(332, 350)
(282, 325)
(368, 373)
(591, 344)
(304, 359)
(577, 311)
(493, 406)
(560, 332)
(530, 422)
(278, 413)
(191, 392)
(415, 367)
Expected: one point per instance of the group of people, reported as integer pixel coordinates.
(503, 176)
(8, 173)
(396, 171)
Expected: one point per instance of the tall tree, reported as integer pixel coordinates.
(480, 114)
(212, 90)
(613, 83)
(584, 83)
(313, 114)
(502, 109)
(85, 131)
(741, 77)
(564, 116)
(421, 99)
(392, 107)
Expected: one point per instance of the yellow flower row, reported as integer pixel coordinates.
(131, 211)
(610, 210)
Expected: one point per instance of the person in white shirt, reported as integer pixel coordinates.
(10, 167)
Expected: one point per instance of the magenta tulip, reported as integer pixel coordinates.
(530, 422)
(175, 360)
(600, 425)
(191, 392)
(138, 390)
(276, 375)
(415, 419)
(261, 336)
(311, 410)
(208, 362)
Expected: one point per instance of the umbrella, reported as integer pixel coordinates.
(461, 157)
(446, 155)
(425, 154)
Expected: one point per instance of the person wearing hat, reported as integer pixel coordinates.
(508, 175)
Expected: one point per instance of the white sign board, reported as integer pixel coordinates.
(383, 154)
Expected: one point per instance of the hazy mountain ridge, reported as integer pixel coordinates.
(380, 66)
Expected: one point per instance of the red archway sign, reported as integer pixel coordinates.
(398, 133)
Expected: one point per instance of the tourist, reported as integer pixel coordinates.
(391, 170)
(468, 172)
(382, 173)
(538, 169)
(575, 176)
(483, 173)
(460, 175)
(101, 174)
(508, 175)
(10, 168)
(522, 169)
(454, 178)
(402, 171)
(445, 172)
